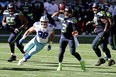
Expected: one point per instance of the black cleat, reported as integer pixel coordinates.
(111, 62)
(100, 61)
(12, 58)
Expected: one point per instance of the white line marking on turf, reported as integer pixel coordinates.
(106, 73)
(3, 75)
(30, 75)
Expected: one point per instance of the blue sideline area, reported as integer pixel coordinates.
(3, 3)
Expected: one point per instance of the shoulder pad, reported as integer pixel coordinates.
(73, 20)
(5, 12)
(108, 14)
(36, 24)
(101, 13)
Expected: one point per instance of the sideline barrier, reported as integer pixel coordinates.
(82, 38)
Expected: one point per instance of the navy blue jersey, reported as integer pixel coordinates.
(99, 24)
(12, 19)
(67, 26)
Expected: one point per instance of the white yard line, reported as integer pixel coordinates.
(4, 75)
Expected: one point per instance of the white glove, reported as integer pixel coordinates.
(16, 30)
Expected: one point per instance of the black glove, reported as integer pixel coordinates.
(49, 47)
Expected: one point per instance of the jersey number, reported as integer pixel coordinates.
(42, 34)
(10, 20)
(64, 26)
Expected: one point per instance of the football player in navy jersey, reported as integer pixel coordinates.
(14, 22)
(68, 34)
(102, 29)
(112, 36)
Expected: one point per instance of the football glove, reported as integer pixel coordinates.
(49, 47)
(16, 30)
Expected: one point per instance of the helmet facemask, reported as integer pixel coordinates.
(11, 7)
(68, 12)
(44, 24)
(95, 8)
(44, 21)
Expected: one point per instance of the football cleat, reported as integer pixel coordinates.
(59, 67)
(21, 61)
(12, 58)
(100, 61)
(111, 62)
(82, 63)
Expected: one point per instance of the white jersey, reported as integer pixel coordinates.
(42, 34)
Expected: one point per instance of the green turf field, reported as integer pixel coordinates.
(44, 64)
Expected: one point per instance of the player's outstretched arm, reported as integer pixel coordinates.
(30, 30)
(50, 41)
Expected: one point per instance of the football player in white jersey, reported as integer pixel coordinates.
(44, 31)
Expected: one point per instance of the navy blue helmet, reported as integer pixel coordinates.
(11, 6)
